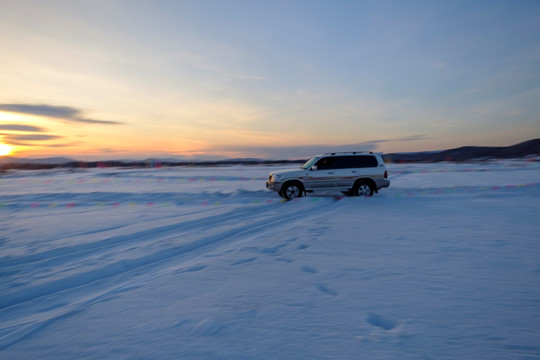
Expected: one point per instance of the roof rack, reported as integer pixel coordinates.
(349, 152)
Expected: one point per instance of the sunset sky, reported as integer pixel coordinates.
(124, 79)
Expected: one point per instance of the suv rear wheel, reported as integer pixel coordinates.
(363, 188)
(292, 190)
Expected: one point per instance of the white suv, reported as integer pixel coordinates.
(354, 173)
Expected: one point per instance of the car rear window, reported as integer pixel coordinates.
(363, 161)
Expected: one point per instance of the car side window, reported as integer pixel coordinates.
(325, 164)
(366, 161)
(345, 162)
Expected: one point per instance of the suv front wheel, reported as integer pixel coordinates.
(292, 190)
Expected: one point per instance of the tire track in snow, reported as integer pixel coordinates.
(78, 281)
(81, 250)
(477, 190)
(60, 258)
(20, 328)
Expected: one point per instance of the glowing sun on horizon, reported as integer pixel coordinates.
(5, 149)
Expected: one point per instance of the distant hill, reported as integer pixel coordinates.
(44, 161)
(8, 163)
(466, 153)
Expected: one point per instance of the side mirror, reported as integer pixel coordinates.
(314, 167)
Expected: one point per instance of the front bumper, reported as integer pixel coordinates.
(272, 185)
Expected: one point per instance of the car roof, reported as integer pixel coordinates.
(351, 153)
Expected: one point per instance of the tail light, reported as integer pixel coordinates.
(386, 174)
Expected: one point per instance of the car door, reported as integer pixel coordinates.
(352, 167)
(322, 175)
(367, 166)
(346, 171)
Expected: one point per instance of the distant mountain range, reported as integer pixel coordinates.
(465, 153)
(7, 163)
(45, 161)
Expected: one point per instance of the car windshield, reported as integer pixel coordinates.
(310, 163)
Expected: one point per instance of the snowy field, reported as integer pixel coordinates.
(205, 263)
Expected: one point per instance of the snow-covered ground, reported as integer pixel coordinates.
(205, 263)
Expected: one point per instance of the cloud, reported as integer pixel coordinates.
(33, 137)
(401, 139)
(307, 151)
(20, 139)
(91, 121)
(413, 138)
(66, 113)
(294, 152)
(17, 127)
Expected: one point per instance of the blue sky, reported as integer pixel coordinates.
(110, 79)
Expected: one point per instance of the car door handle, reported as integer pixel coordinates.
(354, 172)
(330, 172)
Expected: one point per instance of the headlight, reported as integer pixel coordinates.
(275, 177)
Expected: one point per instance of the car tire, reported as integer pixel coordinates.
(363, 188)
(292, 190)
